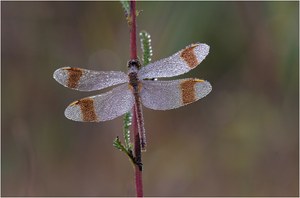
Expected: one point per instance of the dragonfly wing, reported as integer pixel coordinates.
(88, 80)
(164, 95)
(177, 64)
(102, 107)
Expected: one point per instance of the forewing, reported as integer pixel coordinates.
(88, 80)
(177, 64)
(102, 107)
(164, 95)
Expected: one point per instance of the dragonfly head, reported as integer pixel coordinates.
(134, 64)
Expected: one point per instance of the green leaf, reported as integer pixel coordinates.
(126, 132)
(145, 39)
(126, 7)
(118, 144)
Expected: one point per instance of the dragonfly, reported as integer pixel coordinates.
(137, 87)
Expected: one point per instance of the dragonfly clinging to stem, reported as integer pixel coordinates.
(136, 87)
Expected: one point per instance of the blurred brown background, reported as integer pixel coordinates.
(241, 140)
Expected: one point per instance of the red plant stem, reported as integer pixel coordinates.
(133, 54)
(138, 156)
(137, 144)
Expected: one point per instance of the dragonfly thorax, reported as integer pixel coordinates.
(133, 80)
(134, 66)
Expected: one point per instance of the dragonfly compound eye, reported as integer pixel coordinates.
(134, 63)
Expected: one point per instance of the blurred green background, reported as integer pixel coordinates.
(240, 140)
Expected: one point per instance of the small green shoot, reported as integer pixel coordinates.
(145, 39)
(127, 147)
(118, 144)
(126, 7)
(126, 124)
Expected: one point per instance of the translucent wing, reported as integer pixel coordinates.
(179, 63)
(164, 95)
(88, 80)
(102, 107)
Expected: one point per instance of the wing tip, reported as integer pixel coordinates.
(55, 74)
(198, 44)
(82, 110)
(204, 88)
(58, 72)
(203, 49)
(194, 54)
(70, 112)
